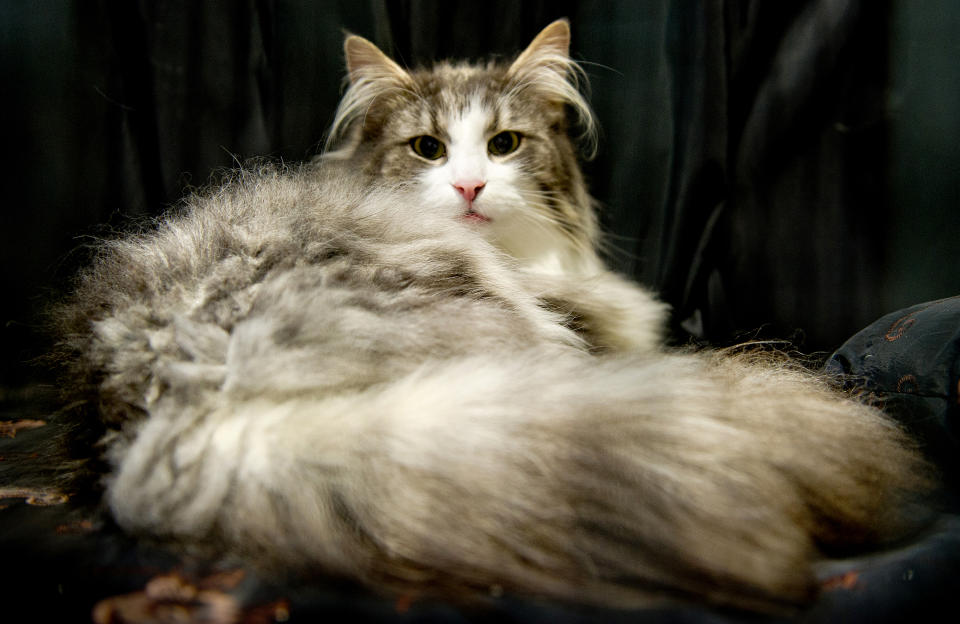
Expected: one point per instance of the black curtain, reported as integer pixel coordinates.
(758, 162)
(774, 202)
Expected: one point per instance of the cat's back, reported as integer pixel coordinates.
(282, 279)
(255, 222)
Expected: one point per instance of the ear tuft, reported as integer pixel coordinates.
(371, 74)
(365, 60)
(551, 42)
(545, 67)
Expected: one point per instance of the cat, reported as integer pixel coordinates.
(404, 363)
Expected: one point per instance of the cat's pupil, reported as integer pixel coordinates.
(504, 143)
(427, 146)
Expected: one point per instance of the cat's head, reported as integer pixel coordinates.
(490, 144)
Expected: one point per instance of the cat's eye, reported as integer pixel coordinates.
(427, 146)
(504, 143)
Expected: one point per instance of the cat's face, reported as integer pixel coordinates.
(485, 144)
(472, 148)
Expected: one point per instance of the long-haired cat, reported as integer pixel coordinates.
(405, 363)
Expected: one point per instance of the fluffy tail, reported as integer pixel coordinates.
(606, 479)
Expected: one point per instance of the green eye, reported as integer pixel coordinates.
(428, 147)
(504, 143)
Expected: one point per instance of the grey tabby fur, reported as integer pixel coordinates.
(331, 369)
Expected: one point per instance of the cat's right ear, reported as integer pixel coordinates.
(371, 73)
(366, 61)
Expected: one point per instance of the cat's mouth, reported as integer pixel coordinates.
(475, 217)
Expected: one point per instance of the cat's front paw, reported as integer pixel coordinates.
(609, 312)
(627, 317)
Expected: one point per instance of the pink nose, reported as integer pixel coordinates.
(469, 189)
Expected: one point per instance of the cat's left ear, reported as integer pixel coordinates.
(366, 61)
(546, 68)
(549, 48)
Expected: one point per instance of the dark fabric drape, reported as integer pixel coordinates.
(777, 152)
(748, 156)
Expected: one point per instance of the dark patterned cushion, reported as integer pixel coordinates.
(910, 360)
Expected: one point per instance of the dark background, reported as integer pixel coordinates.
(785, 167)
